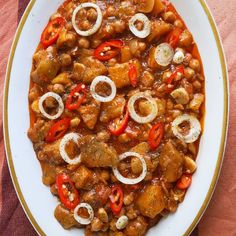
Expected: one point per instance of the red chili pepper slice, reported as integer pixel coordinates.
(68, 194)
(52, 30)
(133, 75)
(155, 135)
(58, 130)
(76, 92)
(118, 126)
(116, 199)
(108, 50)
(179, 69)
(173, 37)
(184, 182)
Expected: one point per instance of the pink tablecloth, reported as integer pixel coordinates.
(220, 217)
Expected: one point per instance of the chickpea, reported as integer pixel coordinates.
(187, 58)
(111, 11)
(139, 25)
(83, 43)
(91, 14)
(112, 62)
(186, 39)
(50, 102)
(96, 225)
(75, 122)
(119, 26)
(35, 106)
(197, 85)
(104, 175)
(195, 65)
(102, 215)
(96, 43)
(65, 59)
(189, 73)
(142, 46)
(166, 75)
(82, 13)
(169, 16)
(124, 138)
(58, 88)
(128, 199)
(69, 25)
(85, 25)
(132, 213)
(147, 79)
(178, 23)
(109, 29)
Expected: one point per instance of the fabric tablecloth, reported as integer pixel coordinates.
(219, 218)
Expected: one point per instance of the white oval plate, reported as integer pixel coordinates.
(25, 170)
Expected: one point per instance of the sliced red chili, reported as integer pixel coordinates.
(173, 37)
(133, 75)
(184, 182)
(76, 94)
(179, 69)
(52, 30)
(155, 135)
(108, 50)
(58, 130)
(67, 192)
(118, 126)
(116, 199)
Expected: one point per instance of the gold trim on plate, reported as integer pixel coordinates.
(224, 125)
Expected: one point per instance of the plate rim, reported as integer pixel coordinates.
(223, 133)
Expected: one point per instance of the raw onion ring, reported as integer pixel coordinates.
(68, 137)
(146, 28)
(97, 24)
(133, 113)
(124, 180)
(81, 220)
(164, 54)
(107, 80)
(195, 128)
(60, 107)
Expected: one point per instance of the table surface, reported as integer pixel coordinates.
(219, 218)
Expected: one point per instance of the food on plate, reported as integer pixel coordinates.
(116, 106)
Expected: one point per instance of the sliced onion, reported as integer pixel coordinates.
(60, 105)
(164, 54)
(146, 25)
(69, 137)
(124, 180)
(135, 116)
(103, 79)
(81, 220)
(195, 128)
(97, 24)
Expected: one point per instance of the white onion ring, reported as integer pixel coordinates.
(135, 116)
(164, 54)
(69, 137)
(97, 24)
(195, 128)
(60, 107)
(124, 180)
(84, 221)
(146, 28)
(107, 80)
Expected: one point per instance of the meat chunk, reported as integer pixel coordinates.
(151, 201)
(50, 153)
(90, 112)
(97, 154)
(93, 68)
(171, 162)
(65, 217)
(113, 109)
(39, 130)
(35, 92)
(120, 73)
(137, 227)
(196, 102)
(49, 173)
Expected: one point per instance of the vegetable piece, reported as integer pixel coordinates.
(158, 7)
(60, 107)
(133, 75)
(51, 32)
(129, 181)
(146, 25)
(190, 130)
(58, 130)
(81, 220)
(97, 24)
(164, 54)
(118, 126)
(133, 113)
(145, 6)
(122, 222)
(116, 199)
(70, 105)
(155, 135)
(65, 140)
(107, 80)
(173, 37)
(184, 182)
(68, 194)
(179, 69)
(108, 50)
